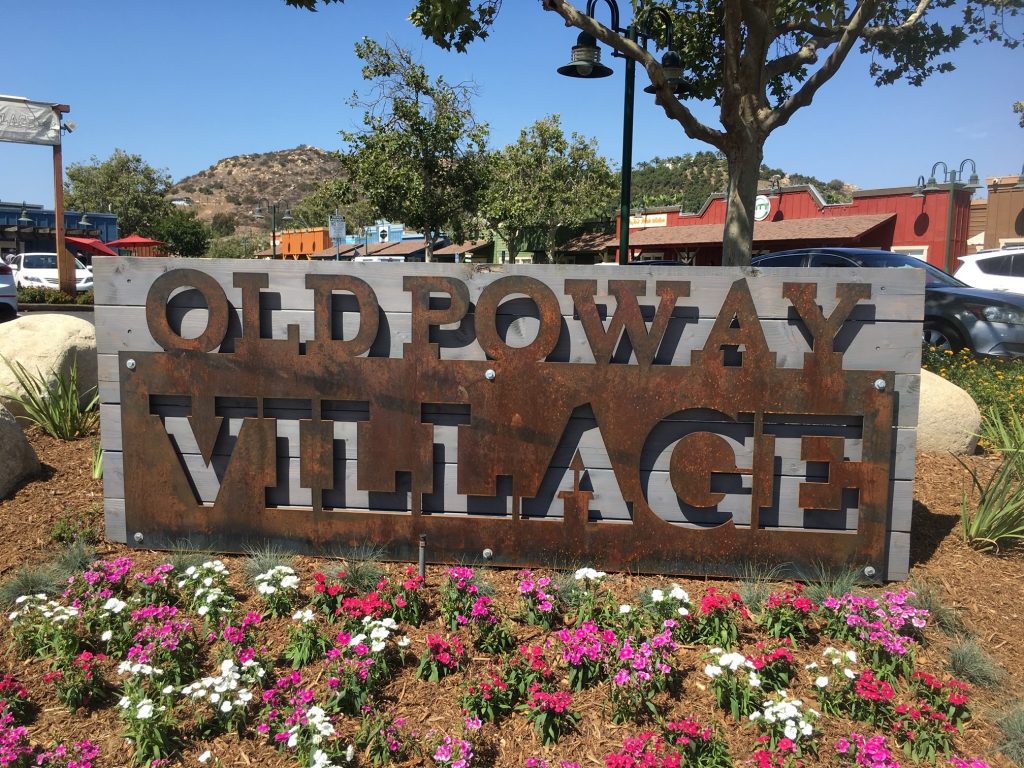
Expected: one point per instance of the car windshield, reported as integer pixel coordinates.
(934, 277)
(41, 261)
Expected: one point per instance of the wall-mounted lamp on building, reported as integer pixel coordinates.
(919, 190)
(24, 220)
(951, 181)
(585, 63)
(775, 185)
(83, 221)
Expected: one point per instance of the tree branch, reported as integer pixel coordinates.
(852, 32)
(677, 111)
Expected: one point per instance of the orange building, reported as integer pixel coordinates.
(302, 243)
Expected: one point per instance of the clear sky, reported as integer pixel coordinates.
(185, 83)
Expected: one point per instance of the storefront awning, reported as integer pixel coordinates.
(831, 230)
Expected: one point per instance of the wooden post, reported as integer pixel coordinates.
(65, 264)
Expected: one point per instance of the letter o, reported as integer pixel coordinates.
(216, 304)
(547, 307)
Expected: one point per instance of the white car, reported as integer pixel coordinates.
(8, 294)
(39, 270)
(996, 270)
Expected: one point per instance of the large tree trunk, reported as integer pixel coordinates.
(744, 171)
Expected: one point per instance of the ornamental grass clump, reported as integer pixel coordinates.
(57, 408)
(994, 520)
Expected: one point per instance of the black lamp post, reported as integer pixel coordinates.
(258, 214)
(585, 63)
(953, 181)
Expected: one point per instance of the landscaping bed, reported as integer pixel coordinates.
(973, 596)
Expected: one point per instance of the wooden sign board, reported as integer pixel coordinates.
(674, 420)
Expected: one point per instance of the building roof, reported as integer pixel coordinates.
(400, 247)
(467, 247)
(588, 242)
(837, 228)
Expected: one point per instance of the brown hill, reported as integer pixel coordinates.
(236, 185)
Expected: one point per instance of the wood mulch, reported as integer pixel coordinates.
(983, 588)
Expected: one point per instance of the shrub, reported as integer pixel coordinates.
(996, 384)
(998, 519)
(58, 410)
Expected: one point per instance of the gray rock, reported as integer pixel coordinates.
(18, 461)
(46, 343)
(948, 420)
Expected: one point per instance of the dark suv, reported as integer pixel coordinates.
(956, 316)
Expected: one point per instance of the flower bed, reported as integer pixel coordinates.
(469, 669)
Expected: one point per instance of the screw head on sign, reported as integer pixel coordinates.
(138, 537)
(490, 375)
(488, 553)
(870, 571)
(880, 385)
(130, 364)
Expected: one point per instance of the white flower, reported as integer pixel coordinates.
(625, 608)
(403, 642)
(168, 689)
(12, 615)
(225, 707)
(205, 756)
(753, 680)
(145, 710)
(657, 595)
(790, 730)
(712, 670)
(849, 673)
(821, 682)
(350, 752)
(812, 665)
(377, 646)
(851, 656)
(678, 593)
(682, 611)
(105, 637)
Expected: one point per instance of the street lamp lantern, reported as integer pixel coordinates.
(24, 220)
(586, 64)
(952, 180)
(258, 215)
(919, 190)
(585, 61)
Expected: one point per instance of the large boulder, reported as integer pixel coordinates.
(948, 420)
(18, 460)
(46, 344)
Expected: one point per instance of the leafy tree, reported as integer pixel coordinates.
(184, 234)
(420, 158)
(330, 195)
(223, 224)
(123, 184)
(237, 246)
(544, 181)
(1018, 109)
(760, 61)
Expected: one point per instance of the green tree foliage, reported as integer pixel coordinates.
(687, 181)
(420, 158)
(1018, 109)
(330, 196)
(184, 234)
(544, 181)
(759, 61)
(237, 246)
(123, 184)
(222, 224)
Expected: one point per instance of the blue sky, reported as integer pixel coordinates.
(185, 83)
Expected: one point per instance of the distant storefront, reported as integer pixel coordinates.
(25, 228)
(902, 219)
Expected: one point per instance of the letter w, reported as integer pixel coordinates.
(627, 316)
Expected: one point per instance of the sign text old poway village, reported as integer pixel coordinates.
(674, 420)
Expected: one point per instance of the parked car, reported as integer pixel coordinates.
(8, 293)
(39, 270)
(956, 316)
(1001, 269)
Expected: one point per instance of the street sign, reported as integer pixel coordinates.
(336, 224)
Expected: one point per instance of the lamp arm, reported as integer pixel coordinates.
(945, 170)
(613, 7)
(974, 168)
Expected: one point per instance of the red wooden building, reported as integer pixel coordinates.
(899, 219)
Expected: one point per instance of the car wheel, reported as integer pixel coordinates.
(941, 336)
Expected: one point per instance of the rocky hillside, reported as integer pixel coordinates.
(236, 185)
